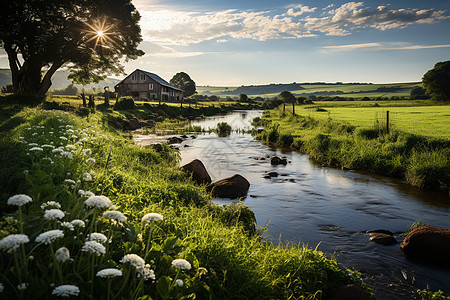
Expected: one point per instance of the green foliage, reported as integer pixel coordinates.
(436, 80)
(287, 97)
(69, 90)
(418, 93)
(56, 33)
(426, 294)
(182, 81)
(125, 103)
(243, 98)
(223, 129)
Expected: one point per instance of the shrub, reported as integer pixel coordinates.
(285, 139)
(223, 129)
(125, 103)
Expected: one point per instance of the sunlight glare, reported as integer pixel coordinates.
(100, 33)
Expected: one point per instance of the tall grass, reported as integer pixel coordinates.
(228, 258)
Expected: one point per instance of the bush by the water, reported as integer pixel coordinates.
(223, 129)
(88, 213)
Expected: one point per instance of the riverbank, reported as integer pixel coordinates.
(420, 161)
(60, 159)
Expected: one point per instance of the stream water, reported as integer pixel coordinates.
(324, 207)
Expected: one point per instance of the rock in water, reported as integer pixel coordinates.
(429, 244)
(383, 239)
(275, 160)
(232, 187)
(198, 171)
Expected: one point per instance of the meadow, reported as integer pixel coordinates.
(87, 213)
(353, 135)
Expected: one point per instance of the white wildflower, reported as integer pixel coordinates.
(47, 159)
(37, 149)
(33, 144)
(53, 214)
(98, 237)
(98, 201)
(19, 200)
(79, 223)
(179, 283)
(87, 151)
(49, 236)
(62, 255)
(63, 138)
(50, 203)
(2, 287)
(67, 154)
(58, 150)
(11, 242)
(114, 215)
(48, 146)
(73, 136)
(71, 147)
(87, 177)
(90, 160)
(31, 257)
(66, 290)
(70, 182)
(109, 273)
(152, 217)
(181, 264)
(68, 225)
(134, 260)
(70, 131)
(26, 172)
(22, 286)
(94, 247)
(146, 272)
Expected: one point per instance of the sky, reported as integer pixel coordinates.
(243, 42)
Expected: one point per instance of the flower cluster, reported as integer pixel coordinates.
(19, 200)
(11, 242)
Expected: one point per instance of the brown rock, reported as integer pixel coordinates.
(232, 187)
(275, 160)
(429, 244)
(198, 171)
(383, 239)
(349, 292)
(133, 124)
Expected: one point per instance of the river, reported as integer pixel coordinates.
(326, 208)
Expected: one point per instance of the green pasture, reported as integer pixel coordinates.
(428, 119)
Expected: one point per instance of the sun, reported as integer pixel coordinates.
(100, 32)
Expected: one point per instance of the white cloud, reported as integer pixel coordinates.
(168, 27)
(379, 47)
(221, 41)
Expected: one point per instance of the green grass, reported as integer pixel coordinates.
(416, 117)
(229, 260)
(350, 137)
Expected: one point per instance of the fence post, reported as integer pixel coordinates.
(387, 122)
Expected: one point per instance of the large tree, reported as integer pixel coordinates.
(182, 81)
(288, 97)
(88, 37)
(437, 81)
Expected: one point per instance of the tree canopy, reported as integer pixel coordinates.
(88, 37)
(437, 81)
(287, 96)
(182, 81)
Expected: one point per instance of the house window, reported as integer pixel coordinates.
(133, 77)
(142, 77)
(150, 86)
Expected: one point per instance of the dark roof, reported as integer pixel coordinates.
(155, 78)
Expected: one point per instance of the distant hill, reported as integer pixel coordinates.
(59, 80)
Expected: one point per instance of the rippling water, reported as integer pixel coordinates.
(325, 207)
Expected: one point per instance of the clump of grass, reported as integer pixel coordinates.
(223, 129)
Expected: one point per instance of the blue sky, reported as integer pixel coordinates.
(241, 42)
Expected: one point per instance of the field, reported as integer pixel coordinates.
(353, 135)
(342, 90)
(417, 117)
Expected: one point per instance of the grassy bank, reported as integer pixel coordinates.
(330, 140)
(69, 241)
